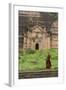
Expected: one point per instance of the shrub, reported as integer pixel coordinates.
(30, 51)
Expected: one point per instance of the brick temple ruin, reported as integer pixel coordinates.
(38, 30)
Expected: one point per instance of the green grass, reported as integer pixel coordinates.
(36, 60)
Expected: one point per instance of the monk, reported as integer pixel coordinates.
(48, 62)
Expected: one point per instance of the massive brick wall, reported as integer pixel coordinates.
(33, 30)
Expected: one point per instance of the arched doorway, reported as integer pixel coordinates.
(37, 46)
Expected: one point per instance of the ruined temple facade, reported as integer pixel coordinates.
(37, 31)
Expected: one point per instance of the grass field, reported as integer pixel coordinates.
(31, 60)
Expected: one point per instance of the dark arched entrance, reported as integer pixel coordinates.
(37, 46)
